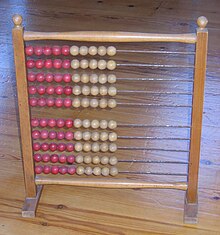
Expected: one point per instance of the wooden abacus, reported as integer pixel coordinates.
(84, 169)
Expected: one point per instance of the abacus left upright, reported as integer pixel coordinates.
(67, 97)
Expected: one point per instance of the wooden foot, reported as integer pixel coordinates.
(31, 203)
(190, 212)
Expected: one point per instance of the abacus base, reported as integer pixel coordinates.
(190, 212)
(31, 203)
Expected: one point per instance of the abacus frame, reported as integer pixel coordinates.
(34, 185)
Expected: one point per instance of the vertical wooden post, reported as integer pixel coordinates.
(191, 204)
(24, 112)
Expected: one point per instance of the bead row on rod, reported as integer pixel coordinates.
(67, 50)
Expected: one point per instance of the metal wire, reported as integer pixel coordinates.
(155, 65)
(153, 105)
(153, 92)
(152, 149)
(151, 126)
(151, 138)
(157, 52)
(151, 173)
(154, 161)
(154, 79)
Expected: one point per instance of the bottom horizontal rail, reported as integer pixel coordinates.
(110, 183)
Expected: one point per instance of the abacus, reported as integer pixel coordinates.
(60, 84)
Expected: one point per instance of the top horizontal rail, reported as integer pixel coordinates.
(107, 36)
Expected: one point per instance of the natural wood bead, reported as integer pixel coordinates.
(84, 64)
(76, 78)
(95, 136)
(78, 135)
(78, 147)
(17, 19)
(103, 136)
(102, 51)
(94, 103)
(80, 170)
(102, 79)
(95, 124)
(88, 170)
(112, 91)
(113, 136)
(113, 171)
(112, 147)
(86, 135)
(102, 64)
(95, 147)
(75, 64)
(111, 51)
(83, 50)
(112, 124)
(105, 171)
(74, 50)
(77, 123)
(84, 78)
(93, 50)
(103, 90)
(76, 102)
(87, 159)
(87, 147)
(103, 103)
(104, 147)
(96, 171)
(112, 103)
(113, 161)
(111, 65)
(79, 159)
(202, 22)
(86, 123)
(85, 90)
(93, 64)
(94, 90)
(104, 160)
(103, 124)
(76, 90)
(93, 78)
(85, 102)
(111, 78)
(96, 160)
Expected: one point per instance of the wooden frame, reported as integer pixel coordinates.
(34, 184)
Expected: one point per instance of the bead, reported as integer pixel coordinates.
(61, 147)
(36, 146)
(32, 90)
(85, 90)
(74, 50)
(102, 78)
(78, 135)
(30, 64)
(104, 160)
(56, 50)
(113, 171)
(111, 51)
(76, 78)
(60, 135)
(87, 159)
(52, 135)
(112, 124)
(38, 169)
(95, 147)
(69, 135)
(112, 147)
(202, 22)
(103, 124)
(113, 161)
(44, 146)
(50, 90)
(96, 160)
(103, 90)
(42, 102)
(96, 171)
(67, 102)
(112, 136)
(62, 158)
(112, 91)
(33, 102)
(93, 78)
(71, 170)
(53, 147)
(93, 64)
(94, 103)
(40, 77)
(77, 123)
(94, 90)
(76, 103)
(75, 64)
(85, 102)
(65, 50)
(49, 77)
(66, 64)
(71, 159)
(88, 170)
(31, 77)
(57, 63)
(84, 64)
(93, 50)
(86, 123)
(58, 78)
(41, 90)
(111, 78)
(95, 124)
(67, 78)
(59, 90)
(105, 171)
(87, 147)
(29, 50)
(84, 78)
(50, 102)
(102, 64)
(54, 158)
(59, 102)
(44, 122)
(63, 170)
(95, 136)
(78, 147)
(102, 51)
(69, 123)
(44, 134)
(103, 136)
(60, 123)
(104, 147)
(38, 50)
(36, 134)
(47, 50)
(86, 135)
(79, 159)
(111, 65)
(112, 103)
(70, 147)
(67, 90)
(76, 90)
(34, 122)
(55, 170)
(83, 50)
(80, 170)
(51, 122)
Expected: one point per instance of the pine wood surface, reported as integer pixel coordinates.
(74, 210)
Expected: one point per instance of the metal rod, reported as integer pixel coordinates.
(154, 79)
(151, 126)
(156, 52)
(152, 149)
(151, 173)
(151, 138)
(155, 65)
(153, 105)
(154, 161)
(153, 92)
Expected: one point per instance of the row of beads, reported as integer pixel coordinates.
(50, 90)
(96, 160)
(93, 64)
(48, 64)
(73, 50)
(54, 158)
(80, 170)
(77, 123)
(51, 102)
(49, 77)
(95, 147)
(69, 147)
(60, 135)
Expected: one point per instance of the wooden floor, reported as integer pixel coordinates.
(68, 210)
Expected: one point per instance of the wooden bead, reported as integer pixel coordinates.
(76, 103)
(113, 136)
(76, 78)
(93, 64)
(103, 124)
(93, 78)
(113, 171)
(102, 50)
(80, 170)
(17, 19)
(84, 64)
(202, 22)
(86, 135)
(112, 124)
(94, 90)
(75, 64)
(112, 103)
(95, 147)
(105, 171)
(85, 102)
(79, 159)
(87, 159)
(83, 50)
(111, 78)
(74, 50)
(96, 160)
(86, 123)
(95, 136)
(84, 78)
(113, 161)
(112, 91)
(102, 78)
(78, 147)
(104, 147)
(95, 124)
(103, 136)
(111, 51)
(103, 90)
(77, 123)
(112, 147)
(104, 160)
(78, 135)
(102, 64)
(93, 50)
(77, 90)
(88, 170)
(87, 147)
(94, 103)
(96, 171)
(85, 90)
(111, 65)
(103, 103)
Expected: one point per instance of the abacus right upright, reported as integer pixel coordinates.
(84, 122)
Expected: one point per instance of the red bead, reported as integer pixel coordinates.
(61, 147)
(47, 50)
(43, 122)
(71, 159)
(59, 102)
(31, 77)
(50, 102)
(40, 77)
(49, 77)
(44, 134)
(58, 77)
(39, 64)
(60, 123)
(69, 123)
(67, 102)
(52, 135)
(37, 157)
(60, 135)
(44, 146)
(67, 78)
(41, 90)
(63, 170)
(54, 158)
(55, 170)
(29, 50)
(62, 158)
(36, 146)
(50, 90)
(38, 50)
(69, 135)
(67, 90)
(65, 50)
(51, 122)
(38, 169)
(30, 64)
(53, 147)
(47, 169)
(35, 134)
(32, 90)
(69, 147)
(33, 102)
(71, 170)
(48, 64)
(56, 50)
(46, 157)
(57, 63)
(59, 90)
(42, 102)
(34, 122)
(66, 64)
